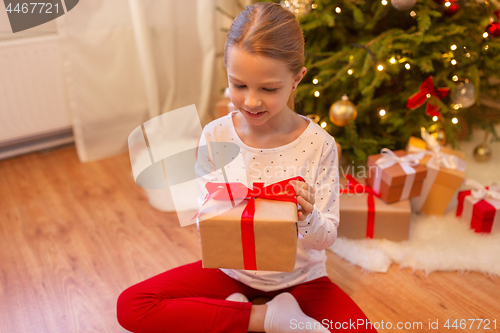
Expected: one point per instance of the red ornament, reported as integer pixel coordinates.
(450, 10)
(497, 13)
(493, 29)
(427, 90)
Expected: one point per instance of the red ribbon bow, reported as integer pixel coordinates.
(280, 191)
(426, 90)
(354, 187)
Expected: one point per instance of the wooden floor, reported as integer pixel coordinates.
(73, 236)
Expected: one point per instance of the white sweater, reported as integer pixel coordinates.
(313, 155)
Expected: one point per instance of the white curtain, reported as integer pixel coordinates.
(127, 61)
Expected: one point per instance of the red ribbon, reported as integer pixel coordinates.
(280, 191)
(419, 98)
(354, 187)
(461, 198)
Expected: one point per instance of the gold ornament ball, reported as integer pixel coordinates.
(440, 136)
(314, 118)
(482, 153)
(343, 111)
(299, 8)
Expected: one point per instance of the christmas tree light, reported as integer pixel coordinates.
(380, 56)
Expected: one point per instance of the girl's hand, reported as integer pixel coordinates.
(305, 198)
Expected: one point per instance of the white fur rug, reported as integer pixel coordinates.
(437, 243)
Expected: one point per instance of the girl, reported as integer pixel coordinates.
(264, 57)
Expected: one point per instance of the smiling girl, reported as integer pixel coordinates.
(264, 57)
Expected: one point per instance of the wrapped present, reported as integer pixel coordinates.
(445, 174)
(396, 176)
(224, 106)
(364, 215)
(480, 207)
(252, 229)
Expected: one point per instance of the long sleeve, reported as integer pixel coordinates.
(204, 171)
(319, 230)
(204, 167)
(218, 160)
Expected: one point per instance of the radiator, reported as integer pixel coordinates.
(33, 113)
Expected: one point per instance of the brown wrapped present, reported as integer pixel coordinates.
(445, 175)
(267, 241)
(396, 176)
(363, 215)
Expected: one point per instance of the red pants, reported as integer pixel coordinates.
(192, 299)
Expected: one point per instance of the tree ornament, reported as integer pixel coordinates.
(463, 94)
(482, 152)
(493, 29)
(297, 7)
(426, 91)
(403, 5)
(440, 136)
(343, 111)
(314, 118)
(450, 9)
(453, 8)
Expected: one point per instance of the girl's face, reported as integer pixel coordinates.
(259, 87)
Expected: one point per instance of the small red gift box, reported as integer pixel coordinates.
(480, 207)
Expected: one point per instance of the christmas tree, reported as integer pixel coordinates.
(404, 65)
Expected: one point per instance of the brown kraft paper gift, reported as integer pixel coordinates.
(275, 230)
(441, 183)
(391, 221)
(394, 177)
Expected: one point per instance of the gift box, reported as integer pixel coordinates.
(420, 145)
(258, 233)
(480, 207)
(445, 175)
(396, 176)
(364, 215)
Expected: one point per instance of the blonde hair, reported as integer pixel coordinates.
(269, 30)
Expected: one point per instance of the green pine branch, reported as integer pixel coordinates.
(344, 50)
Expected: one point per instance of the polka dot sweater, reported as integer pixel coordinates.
(313, 156)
